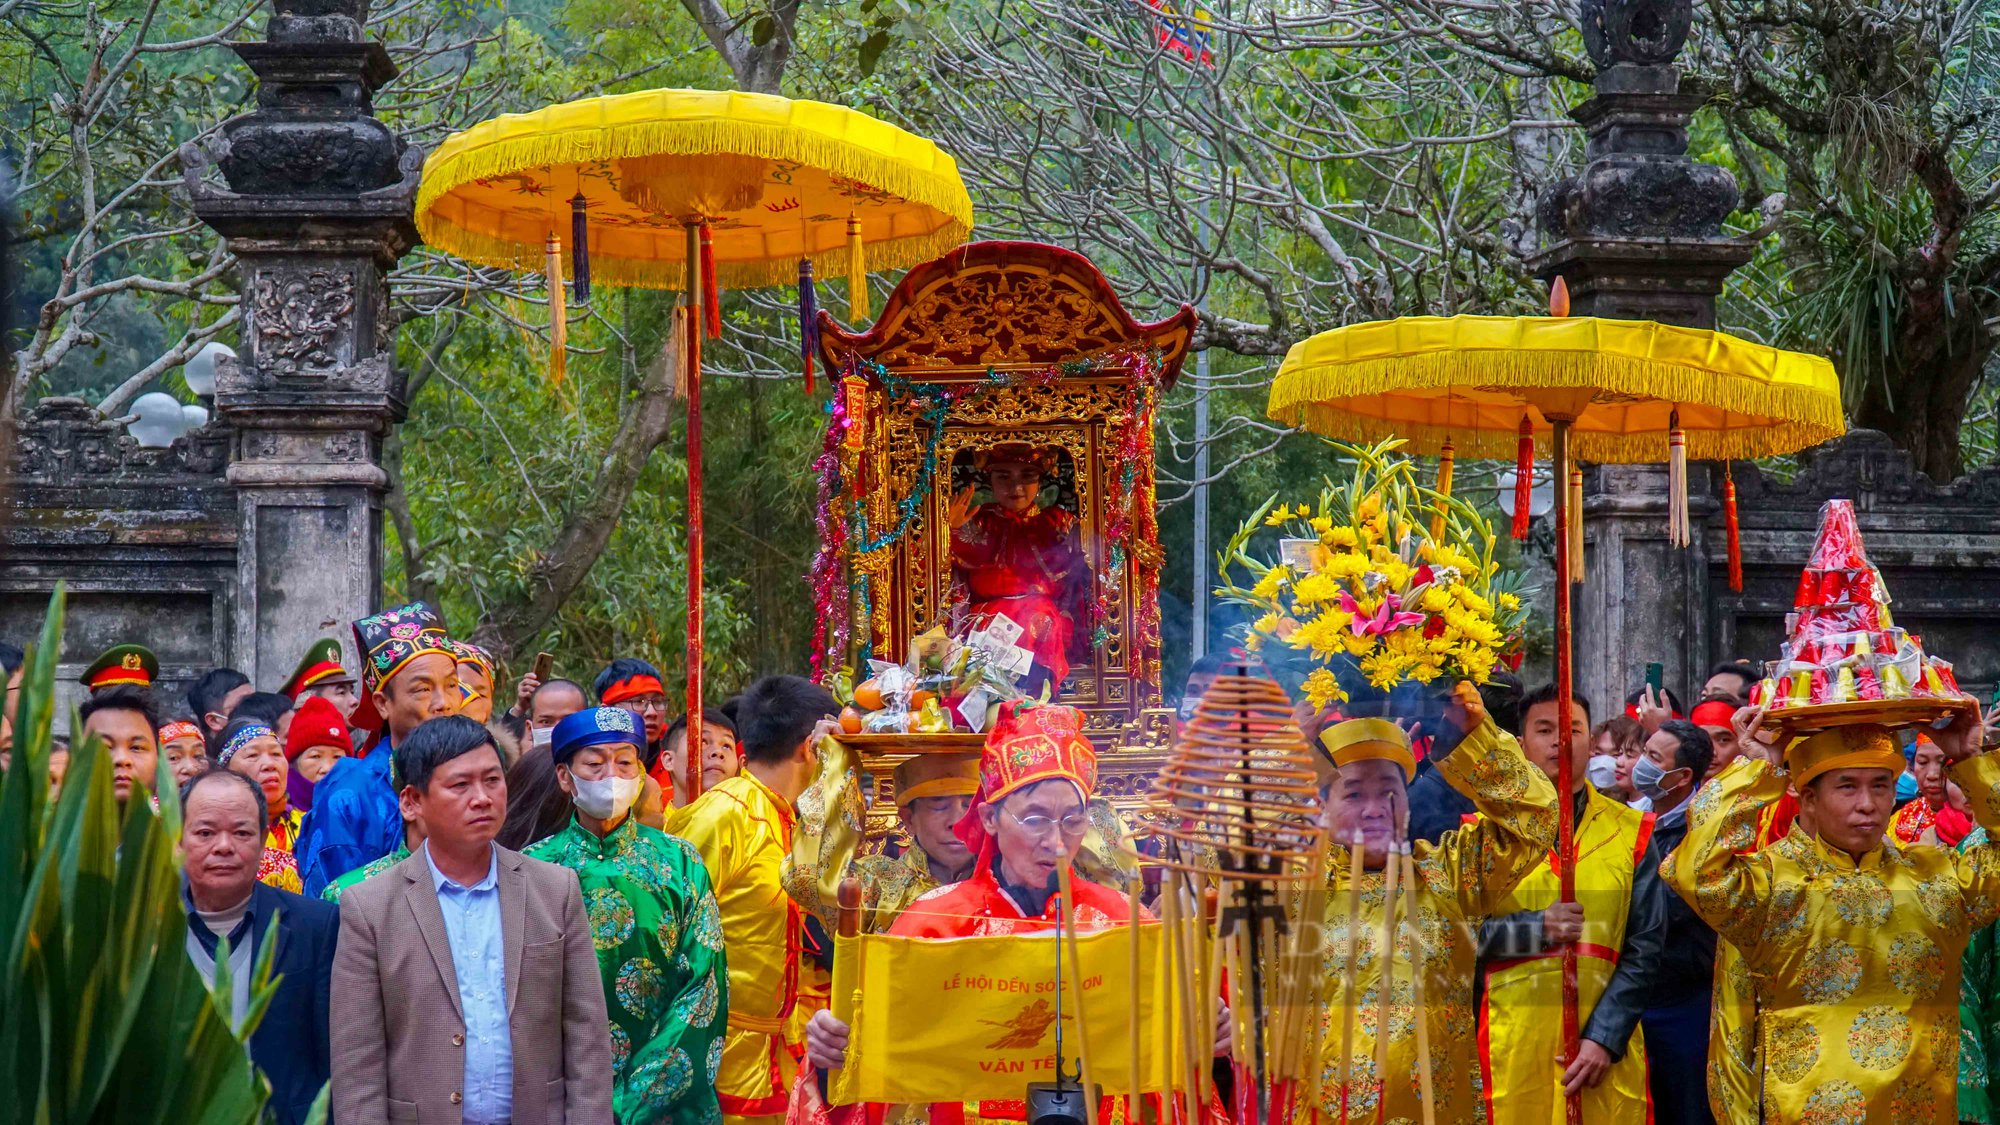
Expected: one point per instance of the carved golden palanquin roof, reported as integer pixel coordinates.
(1003, 305)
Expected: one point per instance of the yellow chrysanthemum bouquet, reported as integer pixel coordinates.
(1380, 578)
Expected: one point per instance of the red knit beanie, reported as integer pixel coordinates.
(317, 722)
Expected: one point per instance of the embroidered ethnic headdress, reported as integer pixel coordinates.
(391, 639)
(1843, 748)
(469, 653)
(594, 726)
(244, 736)
(387, 642)
(1029, 743)
(1360, 740)
(178, 728)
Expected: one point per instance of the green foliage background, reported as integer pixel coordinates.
(493, 454)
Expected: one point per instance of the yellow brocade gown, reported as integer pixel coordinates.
(1462, 878)
(1521, 1014)
(743, 831)
(1734, 1071)
(828, 846)
(1856, 964)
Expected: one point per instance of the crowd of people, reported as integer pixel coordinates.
(559, 911)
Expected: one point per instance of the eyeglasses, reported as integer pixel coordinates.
(1072, 826)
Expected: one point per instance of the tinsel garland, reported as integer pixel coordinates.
(1129, 442)
(825, 572)
(849, 536)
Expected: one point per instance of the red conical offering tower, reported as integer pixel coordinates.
(1845, 652)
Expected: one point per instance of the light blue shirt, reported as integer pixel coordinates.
(479, 958)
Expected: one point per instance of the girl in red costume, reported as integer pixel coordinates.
(1014, 557)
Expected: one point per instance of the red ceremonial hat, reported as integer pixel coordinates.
(317, 722)
(1030, 742)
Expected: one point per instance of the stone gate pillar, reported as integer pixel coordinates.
(316, 205)
(1637, 235)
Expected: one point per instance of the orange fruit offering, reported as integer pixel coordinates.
(868, 695)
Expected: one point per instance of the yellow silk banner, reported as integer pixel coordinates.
(969, 1019)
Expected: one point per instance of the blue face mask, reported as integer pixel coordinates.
(1651, 781)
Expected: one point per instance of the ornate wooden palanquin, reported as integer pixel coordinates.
(1036, 348)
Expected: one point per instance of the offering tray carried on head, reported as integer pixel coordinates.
(1845, 662)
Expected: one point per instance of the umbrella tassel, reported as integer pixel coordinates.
(1677, 484)
(579, 247)
(1446, 458)
(1576, 525)
(558, 315)
(1735, 530)
(1524, 477)
(857, 274)
(711, 298)
(808, 319)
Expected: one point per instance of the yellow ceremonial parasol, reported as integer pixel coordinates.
(1605, 390)
(749, 189)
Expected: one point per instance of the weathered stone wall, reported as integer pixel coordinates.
(145, 539)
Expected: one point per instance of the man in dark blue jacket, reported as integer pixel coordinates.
(229, 916)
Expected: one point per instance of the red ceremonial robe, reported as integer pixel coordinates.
(976, 907)
(1029, 567)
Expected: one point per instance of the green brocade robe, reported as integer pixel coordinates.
(363, 873)
(659, 948)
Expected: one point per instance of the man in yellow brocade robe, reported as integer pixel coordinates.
(932, 793)
(1856, 940)
(743, 829)
(1460, 879)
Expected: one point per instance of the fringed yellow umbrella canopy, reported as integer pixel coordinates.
(693, 189)
(1469, 381)
(1603, 390)
(1612, 390)
(776, 180)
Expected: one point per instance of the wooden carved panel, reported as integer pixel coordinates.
(1030, 344)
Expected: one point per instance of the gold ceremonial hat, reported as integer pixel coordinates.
(1359, 740)
(1843, 748)
(937, 775)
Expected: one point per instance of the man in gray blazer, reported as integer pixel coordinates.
(465, 987)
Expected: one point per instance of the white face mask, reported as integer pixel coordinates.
(1602, 771)
(606, 798)
(542, 736)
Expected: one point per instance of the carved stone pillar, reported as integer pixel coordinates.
(317, 209)
(1637, 235)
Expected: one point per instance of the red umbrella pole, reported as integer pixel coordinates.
(1565, 801)
(693, 327)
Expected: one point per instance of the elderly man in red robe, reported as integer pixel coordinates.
(1026, 822)
(1014, 557)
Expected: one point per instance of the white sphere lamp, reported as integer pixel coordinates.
(1541, 494)
(156, 420)
(200, 369)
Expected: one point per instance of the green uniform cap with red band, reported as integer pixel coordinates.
(122, 664)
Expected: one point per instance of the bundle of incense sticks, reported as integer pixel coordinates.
(1239, 784)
